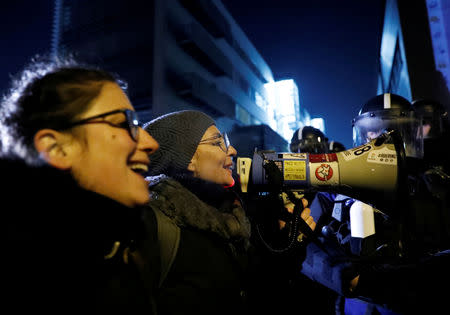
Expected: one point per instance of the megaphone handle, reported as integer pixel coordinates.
(294, 234)
(300, 226)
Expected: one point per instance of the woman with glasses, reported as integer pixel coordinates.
(190, 175)
(206, 269)
(72, 163)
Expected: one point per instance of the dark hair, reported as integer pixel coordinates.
(47, 94)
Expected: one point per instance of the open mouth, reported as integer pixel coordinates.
(139, 168)
(229, 168)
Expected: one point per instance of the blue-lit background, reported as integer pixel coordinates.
(321, 59)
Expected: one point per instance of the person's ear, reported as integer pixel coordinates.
(51, 146)
(192, 165)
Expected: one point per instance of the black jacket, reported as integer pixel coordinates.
(208, 273)
(68, 250)
(410, 281)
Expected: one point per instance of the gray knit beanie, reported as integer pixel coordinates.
(178, 135)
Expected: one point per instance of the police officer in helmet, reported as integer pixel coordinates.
(434, 117)
(435, 129)
(389, 112)
(335, 146)
(309, 140)
(384, 282)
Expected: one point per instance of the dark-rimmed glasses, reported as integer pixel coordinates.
(131, 123)
(224, 143)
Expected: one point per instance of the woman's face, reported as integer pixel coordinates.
(107, 160)
(210, 161)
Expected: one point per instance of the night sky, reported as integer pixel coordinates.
(328, 47)
(25, 31)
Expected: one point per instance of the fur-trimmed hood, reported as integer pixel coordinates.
(206, 206)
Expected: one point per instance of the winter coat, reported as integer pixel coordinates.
(208, 273)
(68, 250)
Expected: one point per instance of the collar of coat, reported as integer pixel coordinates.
(48, 203)
(191, 202)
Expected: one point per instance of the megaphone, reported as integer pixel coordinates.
(373, 173)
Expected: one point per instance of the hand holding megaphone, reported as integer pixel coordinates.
(373, 173)
(293, 203)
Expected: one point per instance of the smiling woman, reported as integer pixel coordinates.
(194, 164)
(72, 162)
(209, 164)
(209, 264)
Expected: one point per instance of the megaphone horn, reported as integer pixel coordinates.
(372, 173)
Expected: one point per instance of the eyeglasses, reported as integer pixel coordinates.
(223, 143)
(131, 123)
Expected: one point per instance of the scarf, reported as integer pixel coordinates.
(192, 202)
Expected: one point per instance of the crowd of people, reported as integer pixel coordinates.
(110, 215)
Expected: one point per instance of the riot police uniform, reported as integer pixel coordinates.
(394, 263)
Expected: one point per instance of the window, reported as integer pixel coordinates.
(243, 115)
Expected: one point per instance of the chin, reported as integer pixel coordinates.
(229, 183)
(144, 199)
(139, 199)
(138, 203)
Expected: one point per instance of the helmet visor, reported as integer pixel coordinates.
(372, 124)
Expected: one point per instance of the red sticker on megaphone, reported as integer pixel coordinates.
(324, 172)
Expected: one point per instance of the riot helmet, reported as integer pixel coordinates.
(385, 112)
(434, 117)
(308, 140)
(334, 147)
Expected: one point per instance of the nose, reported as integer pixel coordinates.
(231, 151)
(146, 142)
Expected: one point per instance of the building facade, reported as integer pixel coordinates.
(414, 59)
(174, 55)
